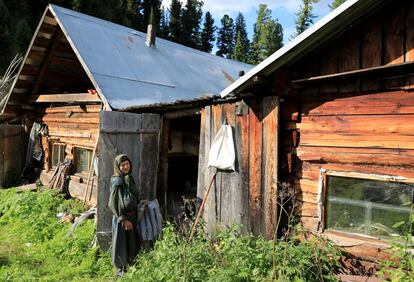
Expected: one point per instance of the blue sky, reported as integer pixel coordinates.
(283, 10)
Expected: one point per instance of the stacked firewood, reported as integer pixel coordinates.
(59, 179)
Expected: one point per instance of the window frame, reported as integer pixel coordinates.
(52, 144)
(323, 196)
(75, 168)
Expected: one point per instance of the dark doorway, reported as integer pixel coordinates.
(183, 147)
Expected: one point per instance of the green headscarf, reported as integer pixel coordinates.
(128, 180)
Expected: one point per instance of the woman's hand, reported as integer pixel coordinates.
(127, 225)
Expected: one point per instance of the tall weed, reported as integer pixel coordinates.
(35, 246)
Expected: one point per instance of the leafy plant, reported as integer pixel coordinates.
(35, 246)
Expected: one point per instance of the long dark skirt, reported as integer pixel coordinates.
(124, 243)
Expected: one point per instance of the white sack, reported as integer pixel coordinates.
(222, 154)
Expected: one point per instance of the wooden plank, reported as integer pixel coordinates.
(270, 164)
(340, 140)
(241, 187)
(371, 42)
(202, 158)
(409, 43)
(255, 165)
(387, 157)
(74, 109)
(309, 223)
(360, 124)
(217, 121)
(308, 186)
(329, 66)
(349, 59)
(394, 26)
(149, 154)
(74, 118)
(308, 209)
(76, 141)
(62, 98)
(228, 179)
(210, 214)
(380, 170)
(364, 104)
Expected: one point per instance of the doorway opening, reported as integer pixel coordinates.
(182, 156)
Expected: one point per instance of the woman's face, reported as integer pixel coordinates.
(125, 167)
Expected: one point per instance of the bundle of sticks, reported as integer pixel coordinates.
(58, 180)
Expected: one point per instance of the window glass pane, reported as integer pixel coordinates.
(55, 155)
(82, 159)
(369, 207)
(62, 153)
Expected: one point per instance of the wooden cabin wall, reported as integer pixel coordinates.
(246, 196)
(75, 126)
(360, 123)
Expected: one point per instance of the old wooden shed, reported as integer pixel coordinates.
(98, 88)
(332, 114)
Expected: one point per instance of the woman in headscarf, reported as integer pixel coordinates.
(123, 201)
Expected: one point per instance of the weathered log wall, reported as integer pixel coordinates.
(360, 122)
(248, 195)
(74, 126)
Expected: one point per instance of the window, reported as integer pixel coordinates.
(82, 160)
(373, 207)
(58, 154)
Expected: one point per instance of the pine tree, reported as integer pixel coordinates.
(190, 28)
(225, 38)
(242, 47)
(336, 3)
(163, 28)
(175, 20)
(267, 37)
(207, 34)
(305, 16)
(5, 37)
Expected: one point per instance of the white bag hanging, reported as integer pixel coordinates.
(222, 154)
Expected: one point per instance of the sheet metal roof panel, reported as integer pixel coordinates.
(144, 93)
(333, 23)
(117, 56)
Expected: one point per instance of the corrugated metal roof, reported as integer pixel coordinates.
(127, 73)
(321, 32)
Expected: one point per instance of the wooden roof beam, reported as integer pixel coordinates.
(64, 98)
(366, 71)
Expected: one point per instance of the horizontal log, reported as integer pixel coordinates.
(349, 125)
(308, 209)
(388, 157)
(307, 186)
(75, 109)
(310, 223)
(80, 142)
(369, 104)
(381, 170)
(54, 98)
(360, 141)
(72, 126)
(77, 134)
(74, 118)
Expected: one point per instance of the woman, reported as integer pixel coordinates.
(123, 201)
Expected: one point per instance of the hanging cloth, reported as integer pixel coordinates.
(222, 154)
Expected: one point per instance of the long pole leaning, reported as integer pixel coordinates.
(200, 210)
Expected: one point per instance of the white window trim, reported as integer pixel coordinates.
(323, 173)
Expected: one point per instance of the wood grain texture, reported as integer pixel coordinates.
(363, 104)
(255, 167)
(270, 163)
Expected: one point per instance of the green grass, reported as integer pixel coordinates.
(35, 246)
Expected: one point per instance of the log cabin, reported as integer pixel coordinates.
(329, 115)
(98, 89)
